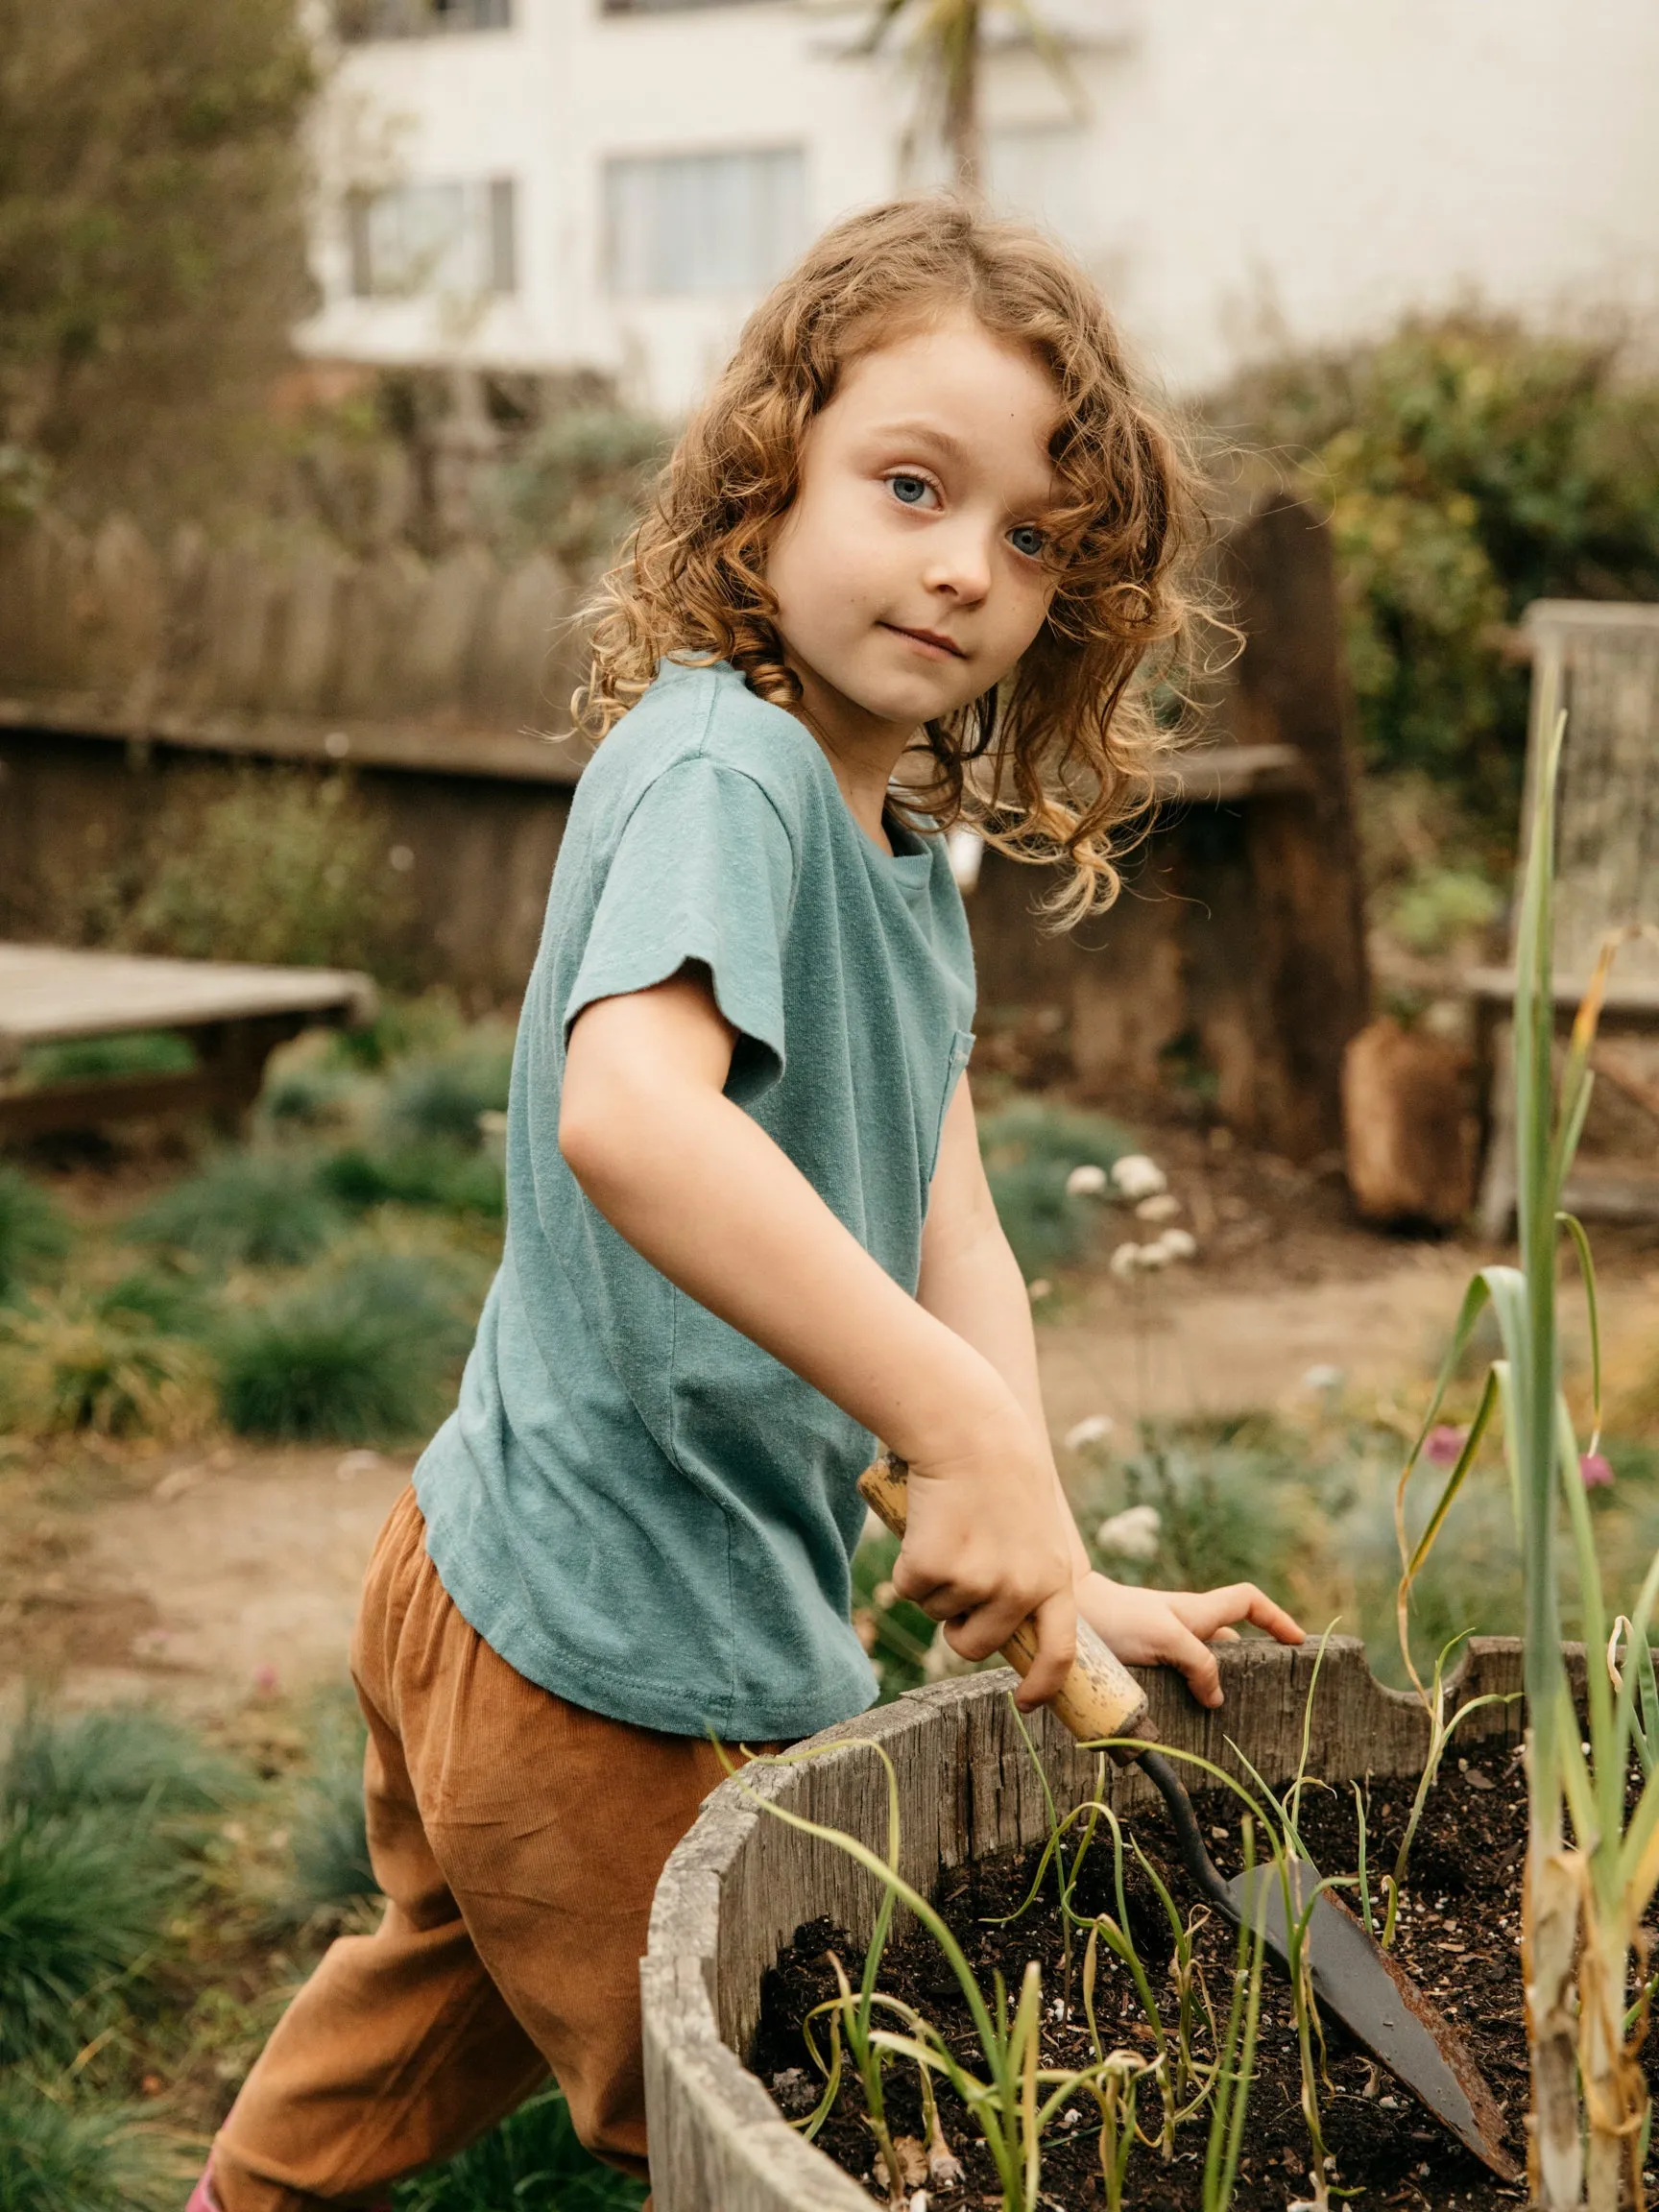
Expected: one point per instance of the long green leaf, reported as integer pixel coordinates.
(1578, 1079)
(1411, 1565)
(1574, 1228)
(1608, 1779)
(1638, 1685)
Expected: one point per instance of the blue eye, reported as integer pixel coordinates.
(911, 490)
(1028, 540)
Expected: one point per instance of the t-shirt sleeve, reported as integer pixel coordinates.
(704, 872)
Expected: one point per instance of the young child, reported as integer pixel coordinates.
(921, 523)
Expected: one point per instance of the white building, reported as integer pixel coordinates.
(611, 183)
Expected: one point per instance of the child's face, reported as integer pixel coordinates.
(908, 572)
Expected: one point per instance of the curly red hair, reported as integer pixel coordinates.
(1053, 765)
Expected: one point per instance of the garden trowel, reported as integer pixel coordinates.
(1353, 1979)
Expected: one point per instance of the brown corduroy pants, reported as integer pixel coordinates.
(518, 1841)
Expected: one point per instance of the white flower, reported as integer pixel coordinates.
(1126, 1262)
(1094, 1428)
(1323, 1377)
(1163, 1205)
(1132, 1534)
(1086, 1181)
(1178, 1244)
(1138, 1177)
(1153, 1257)
(1041, 1289)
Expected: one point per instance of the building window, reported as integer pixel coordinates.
(359, 19)
(456, 238)
(659, 6)
(680, 224)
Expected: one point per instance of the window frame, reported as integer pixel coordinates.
(393, 22)
(612, 164)
(625, 11)
(486, 233)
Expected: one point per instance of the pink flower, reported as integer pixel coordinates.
(1595, 1470)
(265, 1678)
(1443, 1445)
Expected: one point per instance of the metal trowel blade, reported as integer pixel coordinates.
(1357, 1981)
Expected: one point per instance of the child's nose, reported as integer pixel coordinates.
(959, 562)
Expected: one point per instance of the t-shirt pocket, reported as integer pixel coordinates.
(961, 1051)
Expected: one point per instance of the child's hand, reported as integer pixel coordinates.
(985, 1546)
(1146, 1628)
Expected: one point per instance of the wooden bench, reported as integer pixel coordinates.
(1600, 661)
(232, 1015)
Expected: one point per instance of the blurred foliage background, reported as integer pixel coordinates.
(152, 240)
(1467, 467)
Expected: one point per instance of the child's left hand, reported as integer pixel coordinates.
(1173, 1628)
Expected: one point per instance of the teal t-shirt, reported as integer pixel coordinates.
(633, 1505)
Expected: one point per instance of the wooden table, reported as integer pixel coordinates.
(232, 1015)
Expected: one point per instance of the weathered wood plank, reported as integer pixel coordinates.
(443, 745)
(1600, 664)
(48, 994)
(1625, 995)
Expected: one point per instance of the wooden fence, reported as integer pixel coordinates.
(1235, 961)
(288, 645)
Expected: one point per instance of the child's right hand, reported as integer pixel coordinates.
(984, 1547)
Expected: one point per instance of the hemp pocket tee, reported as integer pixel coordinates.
(633, 1503)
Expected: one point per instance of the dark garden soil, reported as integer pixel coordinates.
(1459, 1937)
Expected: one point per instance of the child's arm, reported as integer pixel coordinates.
(700, 1189)
(972, 1281)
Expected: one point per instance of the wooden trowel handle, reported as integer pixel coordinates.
(1099, 1697)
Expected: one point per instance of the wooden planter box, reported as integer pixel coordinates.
(741, 1884)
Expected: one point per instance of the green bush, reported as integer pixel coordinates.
(84, 1362)
(331, 1867)
(135, 1053)
(312, 1095)
(329, 1836)
(32, 1232)
(1436, 909)
(1030, 1149)
(279, 866)
(61, 2153)
(1222, 1505)
(1470, 468)
(129, 1758)
(439, 1100)
(579, 485)
(172, 1303)
(84, 1902)
(245, 1208)
(437, 1175)
(355, 1358)
(428, 1024)
(532, 2159)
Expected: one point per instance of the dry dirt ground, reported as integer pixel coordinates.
(206, 1576)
